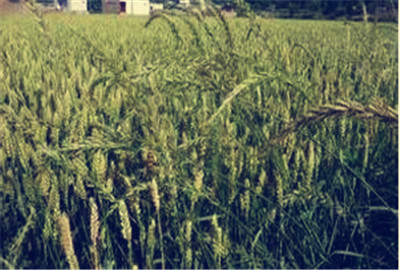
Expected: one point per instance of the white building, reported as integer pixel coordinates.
(137, 7)
(184, 3)
(77, 5)
(154, 7)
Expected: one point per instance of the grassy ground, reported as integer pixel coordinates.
(184, 142)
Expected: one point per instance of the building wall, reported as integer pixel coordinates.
(185, 3)
(138, 7)
(111, 6)
(77, 5)
(156, 7)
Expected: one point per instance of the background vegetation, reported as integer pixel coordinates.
(380, 10)
(191, 142)
(328, 9)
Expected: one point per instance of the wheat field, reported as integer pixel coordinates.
(193, 141)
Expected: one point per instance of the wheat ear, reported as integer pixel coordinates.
(66, 241)
(378, 111)
(94, 231)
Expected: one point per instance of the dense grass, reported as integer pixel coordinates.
(185, 142)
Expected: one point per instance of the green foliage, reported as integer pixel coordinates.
(127, 143)
(242, 8)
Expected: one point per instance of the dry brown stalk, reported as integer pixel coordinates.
(379, 111)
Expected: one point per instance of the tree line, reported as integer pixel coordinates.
(380, 10)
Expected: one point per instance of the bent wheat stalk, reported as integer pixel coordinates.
(238, 88)
(379, 111)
